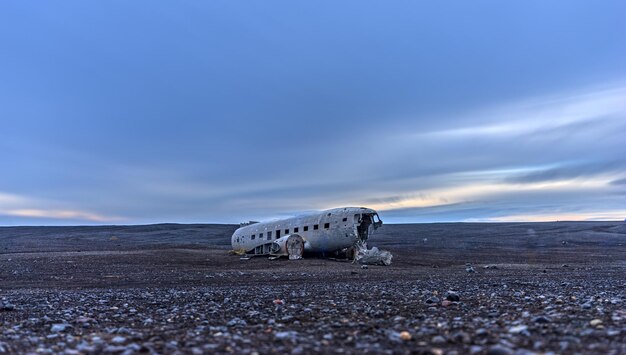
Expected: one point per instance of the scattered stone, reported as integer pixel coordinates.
(237, 322)
(518, 329)
(475, 349)
(438, 339)
(452, 296)
(60, 327)
(405, 335)
(541, 320)
(499, 350)
(118, 340)
(595, 322)
(432, 300)
(7, 307)
(286, 335)
(170, 307)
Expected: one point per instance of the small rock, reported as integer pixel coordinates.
(452, 296)
(438, 339)
(60, 327)
(118, 340)
(364, 267)
(286, 335)
(518, 329)
(470, 269)
(475, 349)
(7, 307)
(541, 319)
(236, 322)
(405, 336)
(432, 299)
(595, 322)
(499, 350)
(461, 337)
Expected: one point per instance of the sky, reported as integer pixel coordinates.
(132, 112)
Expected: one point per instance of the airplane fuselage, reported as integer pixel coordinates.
(323, 231)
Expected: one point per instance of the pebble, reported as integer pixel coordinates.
(286, 335)
(432, 300)
(118, 340)
(595, 322)
(499, 350)
(518, 329)
(7, 307)
(452, 296)
(405, 335)
(541, 320)
(59, 327)
(438, 339)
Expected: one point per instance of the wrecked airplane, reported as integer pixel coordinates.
(339, 231)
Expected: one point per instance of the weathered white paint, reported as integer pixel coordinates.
(341, 232)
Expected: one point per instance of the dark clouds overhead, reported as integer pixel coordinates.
(143, 112)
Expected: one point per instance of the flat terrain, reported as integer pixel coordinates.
(517, 288)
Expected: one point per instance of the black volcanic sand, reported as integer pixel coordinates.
(517, 288)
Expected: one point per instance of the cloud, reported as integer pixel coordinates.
(612, 215)
(469, 165)
(59, 214)
(619, 182)
(12, 205)
(534, 116)
(567, 172)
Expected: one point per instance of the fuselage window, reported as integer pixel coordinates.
(286, 231)
(345, 219)
(306, 228)
(295, 230)
(260, 235)
(278, 234)
(269, 235)
(254, 236)
(326, 225)
(316, 226)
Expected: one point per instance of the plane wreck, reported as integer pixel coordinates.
(336, 232)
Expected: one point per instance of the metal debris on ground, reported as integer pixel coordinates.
(372, 256)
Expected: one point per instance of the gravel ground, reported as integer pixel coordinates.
(495, 289)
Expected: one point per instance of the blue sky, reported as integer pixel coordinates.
(223, 111)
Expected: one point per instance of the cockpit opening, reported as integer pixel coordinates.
(364, 222)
